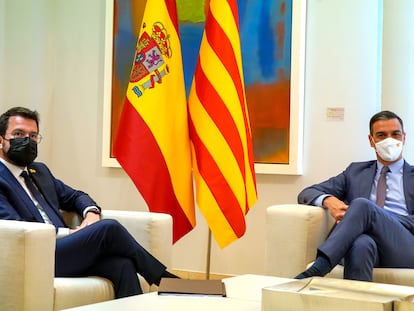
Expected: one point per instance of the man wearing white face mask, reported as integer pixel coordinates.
(373, 229)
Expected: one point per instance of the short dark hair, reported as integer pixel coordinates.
(384, 115)
(17, 111)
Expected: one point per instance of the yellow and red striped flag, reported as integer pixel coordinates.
(152, 143)
(219, 127)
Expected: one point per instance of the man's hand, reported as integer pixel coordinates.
(336, 207)
(89, 219)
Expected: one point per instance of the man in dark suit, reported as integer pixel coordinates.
(29, 192)
(373, 229)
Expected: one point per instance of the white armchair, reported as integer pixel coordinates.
(27, 281)
(293, 233)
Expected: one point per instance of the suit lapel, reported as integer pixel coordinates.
(366, 180)
(21, 193)
(408, 182)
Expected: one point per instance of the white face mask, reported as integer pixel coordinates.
(389, 149)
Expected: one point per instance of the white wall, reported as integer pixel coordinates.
(2, 47)
(398, 65)
(53, 59)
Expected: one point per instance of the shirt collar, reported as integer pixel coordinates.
(14, 169)
(395, 167)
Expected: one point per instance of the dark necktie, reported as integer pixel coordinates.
(41, 201)
(382, 186)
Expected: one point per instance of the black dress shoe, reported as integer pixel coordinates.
(168, 274)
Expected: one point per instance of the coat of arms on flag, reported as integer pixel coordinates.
(149, 62)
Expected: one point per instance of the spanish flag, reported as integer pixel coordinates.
(152, 143)
(220, 129)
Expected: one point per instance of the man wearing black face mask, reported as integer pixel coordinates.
(29, 192)
(23, 150)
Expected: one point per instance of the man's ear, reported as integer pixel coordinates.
(371, 141)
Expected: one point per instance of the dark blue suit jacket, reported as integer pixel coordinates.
(15, 204)
(356, 182)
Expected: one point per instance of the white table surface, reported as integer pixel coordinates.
(249, 286)
(243, 294)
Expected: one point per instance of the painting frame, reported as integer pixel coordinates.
(297, 89)
(297, 97)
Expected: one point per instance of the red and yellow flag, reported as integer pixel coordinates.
(152, 142)
(219, 127)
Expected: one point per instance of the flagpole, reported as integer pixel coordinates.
(208, 255)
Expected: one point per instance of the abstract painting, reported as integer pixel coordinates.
(272, 39)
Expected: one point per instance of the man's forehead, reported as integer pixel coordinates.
(391, 125)
(19, 121)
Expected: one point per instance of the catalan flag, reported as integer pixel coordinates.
(219, 127)
(152, 143)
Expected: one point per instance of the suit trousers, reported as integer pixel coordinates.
(369, 236)
(107, 249)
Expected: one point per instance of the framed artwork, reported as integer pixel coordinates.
(272, 36)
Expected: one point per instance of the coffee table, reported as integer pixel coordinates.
(244, 293)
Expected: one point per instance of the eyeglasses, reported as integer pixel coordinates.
(36, 137)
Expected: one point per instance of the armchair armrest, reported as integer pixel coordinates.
(293, 233)
(27, 265)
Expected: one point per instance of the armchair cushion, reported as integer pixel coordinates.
(70, 292)
(293, 233)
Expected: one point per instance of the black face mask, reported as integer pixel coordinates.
(22, 151)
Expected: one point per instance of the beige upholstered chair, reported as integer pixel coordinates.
(27, 262)
(293, 233)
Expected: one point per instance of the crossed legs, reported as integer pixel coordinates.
(107, 249)
(367, 236)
